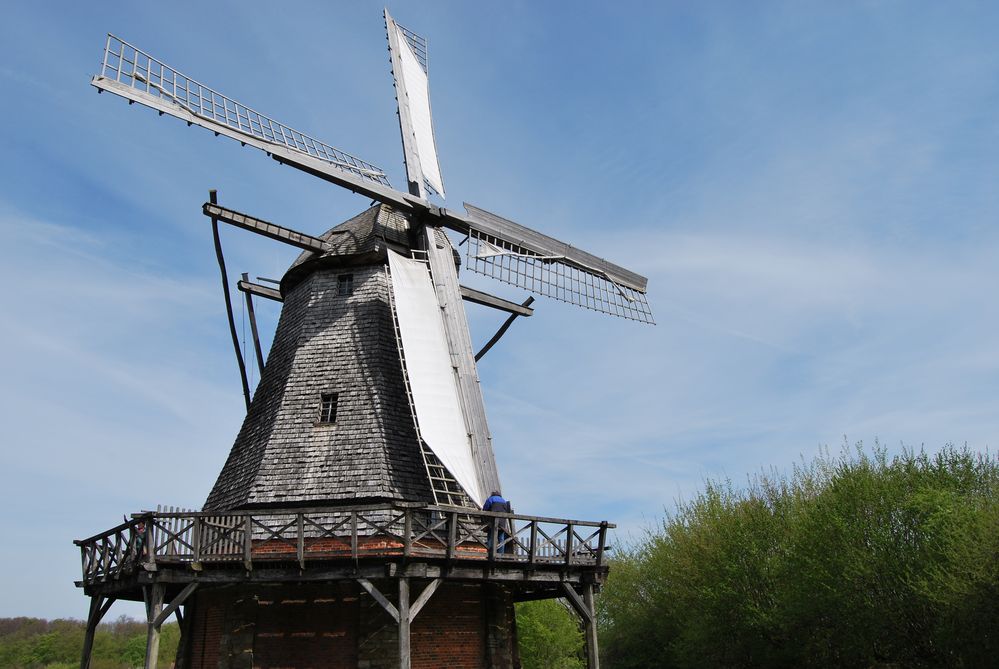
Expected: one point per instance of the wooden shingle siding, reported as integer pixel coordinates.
(324, 343)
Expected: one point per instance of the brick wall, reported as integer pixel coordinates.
(340, 626)
(450, 630)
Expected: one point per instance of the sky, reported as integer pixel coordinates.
(810, 189)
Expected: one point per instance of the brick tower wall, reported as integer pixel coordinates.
(340, 626)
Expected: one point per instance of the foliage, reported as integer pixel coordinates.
(549, 636)
(857, 561)
(32, 643)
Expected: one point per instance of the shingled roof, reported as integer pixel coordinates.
(330, 342)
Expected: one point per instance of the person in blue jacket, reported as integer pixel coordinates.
(496, 503)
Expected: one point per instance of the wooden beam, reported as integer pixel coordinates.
(502, 331)
(380, 598)
(404, 624)
(445, 276)
(154, 605)
(592, 649)
(584, 608)
(487, 300)
(536, 242)
(262, 227)
(98, 607)
(260, 291)
(424, 598)
(253, 326)
(577, 602)
(212, 196)
(175, 604)
(282, 154)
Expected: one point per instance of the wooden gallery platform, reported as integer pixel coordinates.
(388, 585)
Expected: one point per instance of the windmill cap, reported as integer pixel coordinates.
(359, 240)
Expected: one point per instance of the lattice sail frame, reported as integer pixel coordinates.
(551, 277)
(421, 49)
(132, 67)
(419, 45)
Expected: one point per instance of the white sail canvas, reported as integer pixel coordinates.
(431, 374)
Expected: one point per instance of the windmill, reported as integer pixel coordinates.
(368, 412)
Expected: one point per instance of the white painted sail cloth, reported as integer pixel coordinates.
(418, 92)
(431, 375)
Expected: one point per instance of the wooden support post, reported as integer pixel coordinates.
(584, 608)
(592, 651)
(98, 607)
(404, 620)
(404, 613)
(154, 606)
(174, 606)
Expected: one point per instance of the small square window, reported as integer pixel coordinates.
(327, 407)
(344, 284)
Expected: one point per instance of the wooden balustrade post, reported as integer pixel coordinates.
(353, 534)
(533, 553)
(196, 540)
(407, 531)
(150, 540)
(300, 531)
(493, 531)
(602, 543)
(248, 542)
(569, 533)
(452, 534)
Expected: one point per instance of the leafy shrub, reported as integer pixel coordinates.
(857, 561)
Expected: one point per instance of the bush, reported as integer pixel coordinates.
(549, 636)
(859, 560)
(32, 643)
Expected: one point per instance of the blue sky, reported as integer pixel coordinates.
(810, 188)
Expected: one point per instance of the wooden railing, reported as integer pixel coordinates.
(309, 535)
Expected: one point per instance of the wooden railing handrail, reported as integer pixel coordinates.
(403, 530)
(136, 517)
(393, 506)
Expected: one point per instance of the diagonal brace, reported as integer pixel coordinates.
(169, 609)
(577, 603)
(502, 330)
(391, 609)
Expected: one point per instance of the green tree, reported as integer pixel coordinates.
(549, 636)
(859, 560)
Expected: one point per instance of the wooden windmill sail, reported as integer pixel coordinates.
(365, 454)
(438, 375)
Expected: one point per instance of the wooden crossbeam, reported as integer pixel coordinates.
(265, 228)
(260, 291)
(487, 300)
(380, 598)
(169, 609)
